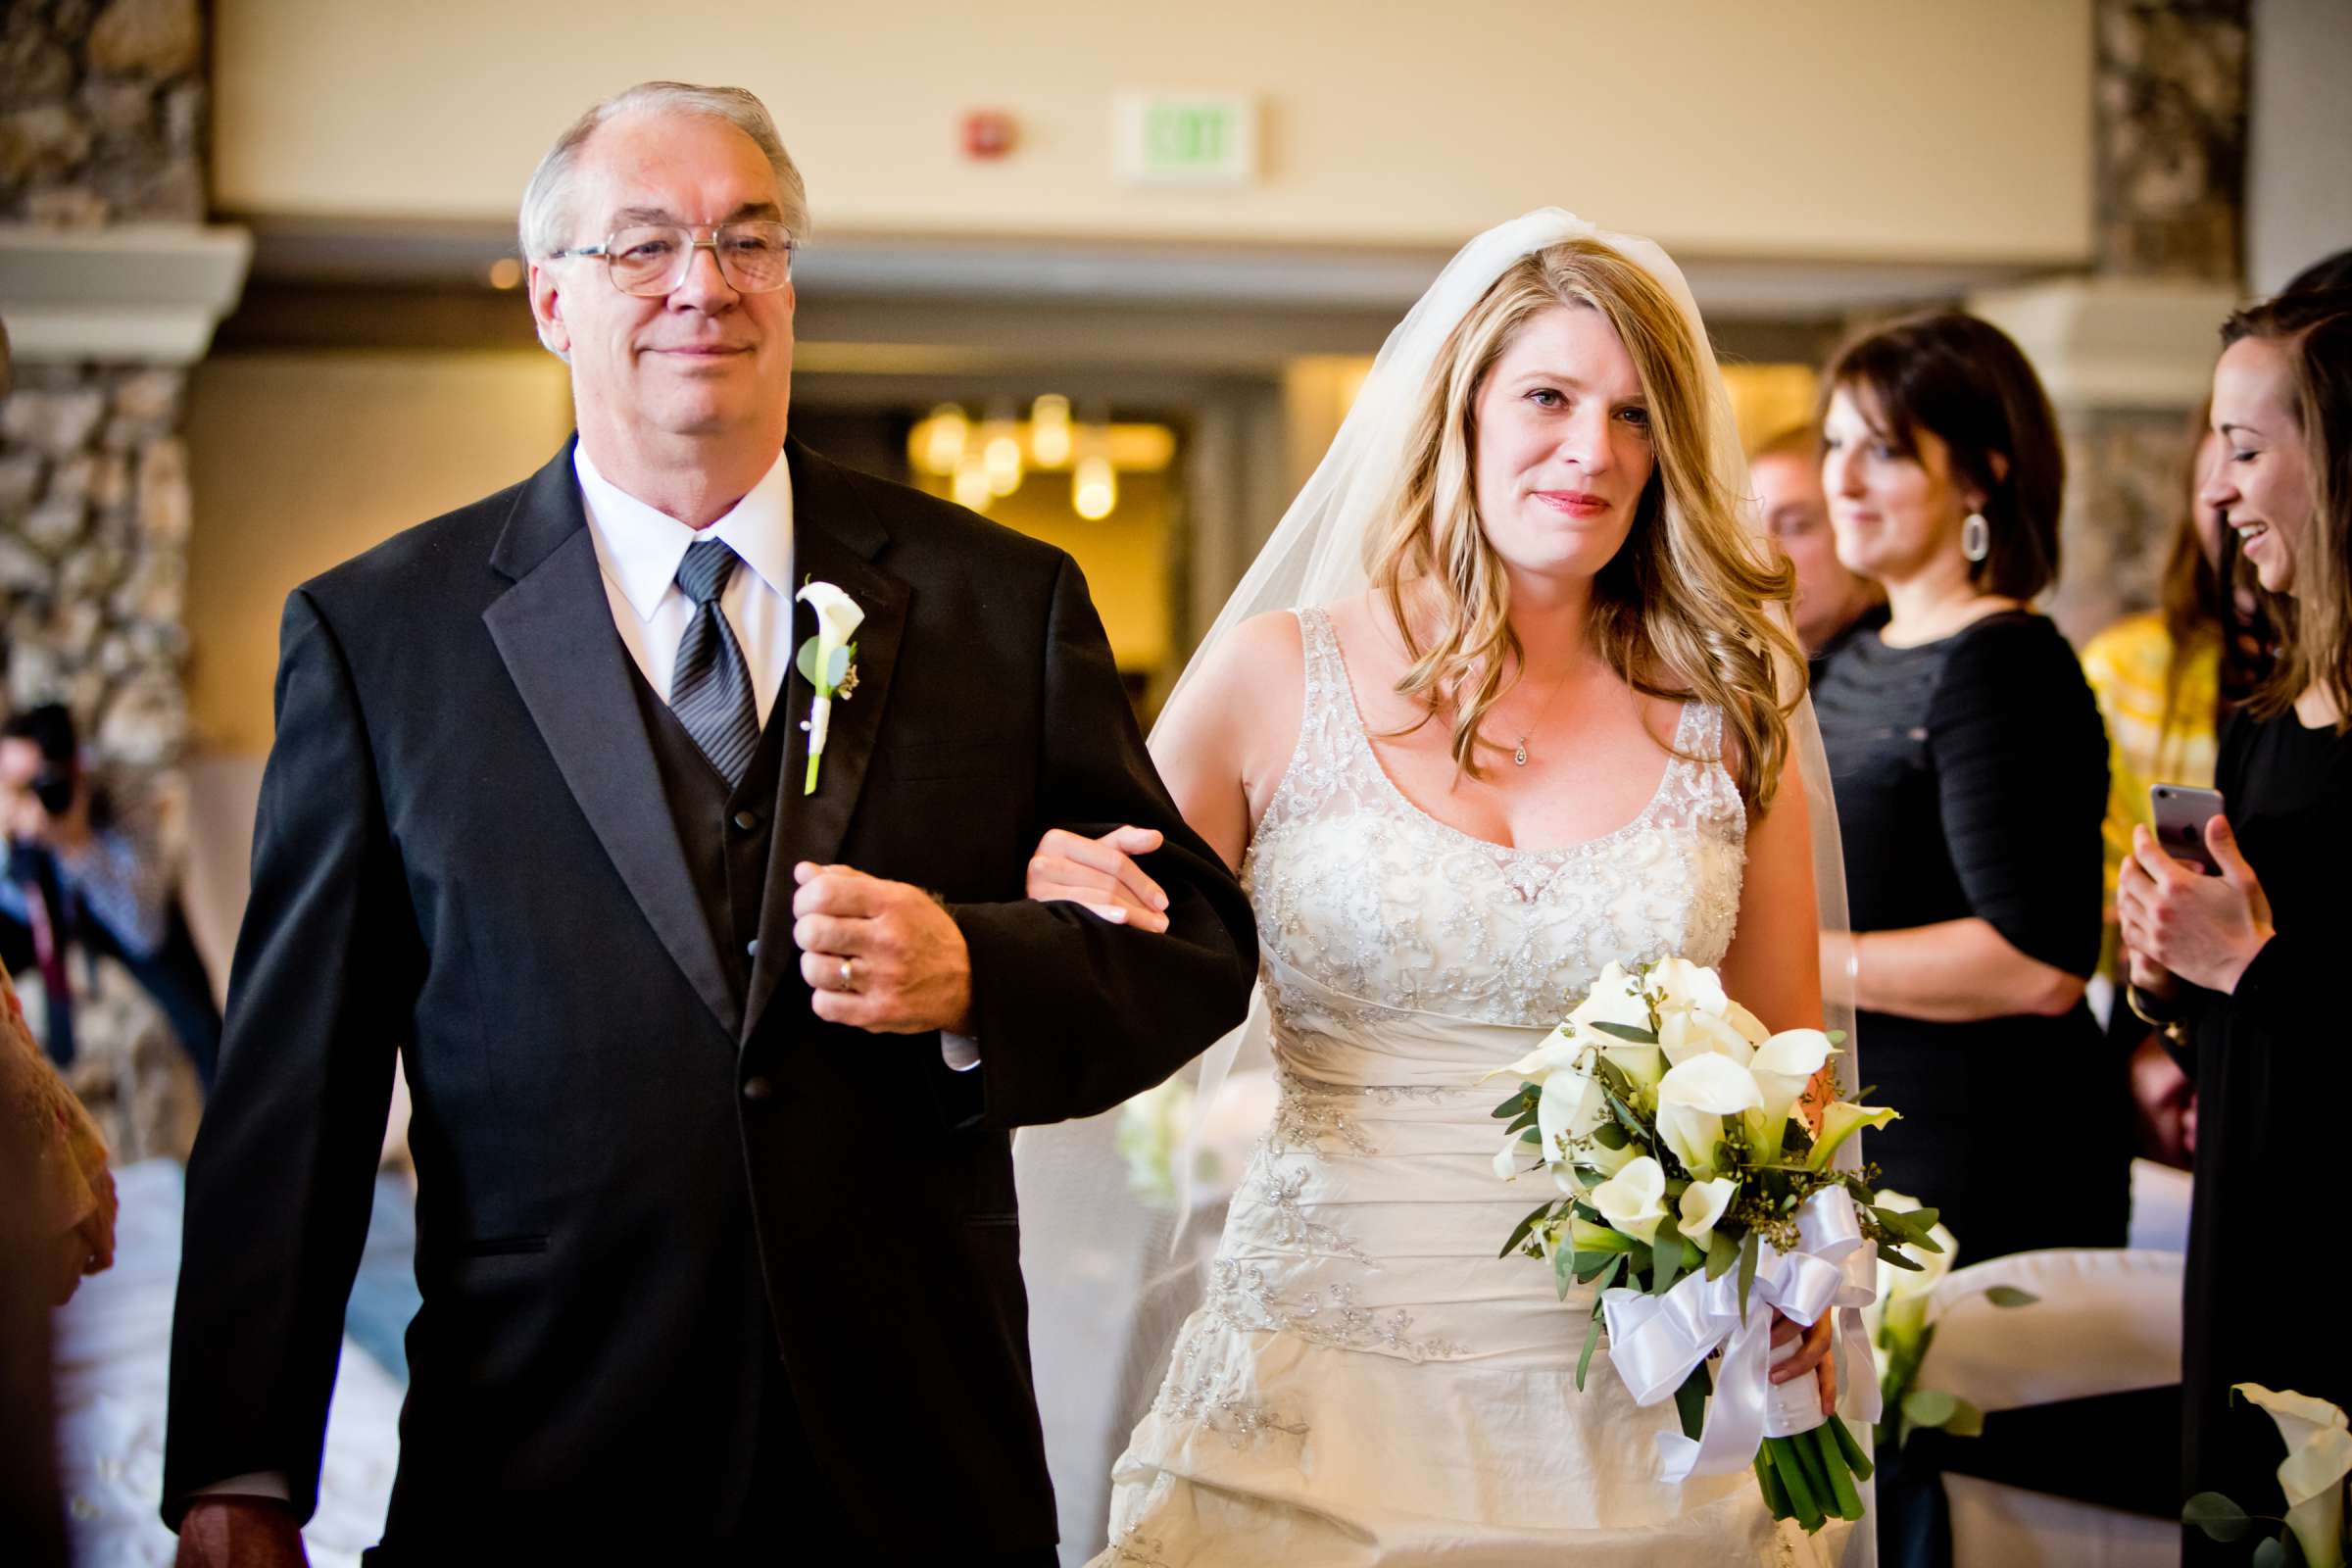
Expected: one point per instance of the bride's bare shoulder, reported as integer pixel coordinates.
(1242, 704)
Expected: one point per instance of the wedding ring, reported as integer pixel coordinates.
(844, 972)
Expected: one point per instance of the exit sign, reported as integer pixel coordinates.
(1187, 138)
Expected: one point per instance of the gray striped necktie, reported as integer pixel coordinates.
(710, 690)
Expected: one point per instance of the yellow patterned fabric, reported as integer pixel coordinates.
(2149, 741)
(74, 1192)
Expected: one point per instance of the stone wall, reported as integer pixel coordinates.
(2171, 141)
(102, 121)
(103, 111)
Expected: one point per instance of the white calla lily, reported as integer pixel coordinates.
(1593, 1154)
(1702, 1204)
(2318, 1456)
(1752, 1028)
(1634, 1200)
(1840, 1120)
(1506, 1158)
(1688, 988)
(1693, 1097)
(1687, 1034)
(1560, 1049)
(838, 615)
(1572, 1104)
(1784, 1065)
(1902, 1303)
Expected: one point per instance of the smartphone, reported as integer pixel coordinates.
(2182, 813)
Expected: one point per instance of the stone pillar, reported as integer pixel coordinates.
(102, 121)
(2127, 352)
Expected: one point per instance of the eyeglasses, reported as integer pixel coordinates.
(654, 258)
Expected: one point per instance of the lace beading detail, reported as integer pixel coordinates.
(1241, 1296)
(1383, 904)
(1293, 1226)
(1213, 1398)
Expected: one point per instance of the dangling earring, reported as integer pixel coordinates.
(1976, 537)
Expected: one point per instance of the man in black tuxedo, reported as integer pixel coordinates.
(713, 1070)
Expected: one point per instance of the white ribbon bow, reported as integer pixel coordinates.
(1656, 1342)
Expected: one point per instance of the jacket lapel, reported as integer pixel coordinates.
(554, 629)
(835, 539)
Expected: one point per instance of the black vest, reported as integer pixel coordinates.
(724, 832)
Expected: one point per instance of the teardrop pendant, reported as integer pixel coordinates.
(1520, 756)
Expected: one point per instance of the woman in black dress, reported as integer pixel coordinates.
(2246, 966)
(1970, 772)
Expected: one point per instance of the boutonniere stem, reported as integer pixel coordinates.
(829, 662)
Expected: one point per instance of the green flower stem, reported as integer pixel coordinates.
(1817, 1477)
(1768, 1477)
(1832, 1463)
(1791, 1472)
(810, 788)
(1850, 1446)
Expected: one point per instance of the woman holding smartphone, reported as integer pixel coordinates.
(2243, 966)
(1970, 771)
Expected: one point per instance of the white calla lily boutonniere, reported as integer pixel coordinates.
(829, 661)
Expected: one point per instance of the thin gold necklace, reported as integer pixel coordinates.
(1519, 753)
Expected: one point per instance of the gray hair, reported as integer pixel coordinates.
(545, 211)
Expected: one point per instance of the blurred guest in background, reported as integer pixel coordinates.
(80, 878)
(1832, 603)
(2165, 680)
(1970, 772)
(2242, 964)
(68, 1212)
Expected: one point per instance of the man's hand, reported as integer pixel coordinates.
(229, 1532)
(1102, 874)
(882, 956)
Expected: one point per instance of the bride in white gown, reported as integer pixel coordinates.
(1526, 718)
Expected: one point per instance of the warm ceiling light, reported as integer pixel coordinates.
(505, 272)
(942, 438)
(972, 488)
(1001, 458)
(1050, 430)
(1094, 488)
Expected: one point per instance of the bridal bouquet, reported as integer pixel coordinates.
(1698, 1196)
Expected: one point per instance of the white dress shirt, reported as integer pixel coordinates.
(638, 550)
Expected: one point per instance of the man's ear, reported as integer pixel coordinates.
(546, 310)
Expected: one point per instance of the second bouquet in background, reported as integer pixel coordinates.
(1696, 1190)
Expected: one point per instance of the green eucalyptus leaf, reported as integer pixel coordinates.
(2274, 1553)
(2010, 1296)
(1585, 1361)
(1666, 1256)
(806, 662)
(838, 665)
(1723, 1251)
(1690, 1402)
(1524, 1100)
(1628, 1032)
(1928, 1407)
(1888, 1253)
(1521, 1231)
(1748, 1245)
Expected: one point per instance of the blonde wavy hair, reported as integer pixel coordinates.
(1681, 612)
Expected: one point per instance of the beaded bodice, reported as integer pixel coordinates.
(1365, 894)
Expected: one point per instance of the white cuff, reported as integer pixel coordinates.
(961, 1052)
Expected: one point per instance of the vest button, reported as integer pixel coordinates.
(752, 948)
(745, 820)
(755, 1088)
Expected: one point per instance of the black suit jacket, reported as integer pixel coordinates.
(463, 857)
